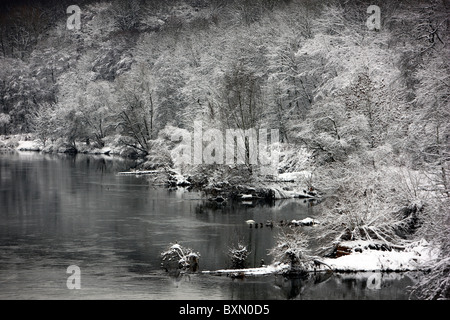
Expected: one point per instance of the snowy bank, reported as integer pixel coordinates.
(261, 271)
(256, 188)
(362, 258)
(29, 146)
(27, 142)
(412, 258)
(140, 172)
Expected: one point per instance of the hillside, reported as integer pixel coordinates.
(362, 114)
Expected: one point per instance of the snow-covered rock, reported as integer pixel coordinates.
(305, 222)
(178, 257)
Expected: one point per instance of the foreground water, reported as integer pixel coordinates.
(57, 211)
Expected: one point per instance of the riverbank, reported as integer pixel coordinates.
(28, 142)
(358, 260)
(415, 257)
(236, 184)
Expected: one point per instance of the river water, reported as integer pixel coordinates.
(58, 211)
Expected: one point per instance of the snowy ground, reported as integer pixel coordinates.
(271, 269)
(411, 258)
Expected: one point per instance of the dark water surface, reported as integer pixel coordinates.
(57, 211)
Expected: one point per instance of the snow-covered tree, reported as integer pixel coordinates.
(429, 129)
(43, 124)
(292, 248)
(97, 111)
(19, 94)
(136, 109)
(4, 122)
(435, 284)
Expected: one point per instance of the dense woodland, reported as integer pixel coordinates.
(365, 112)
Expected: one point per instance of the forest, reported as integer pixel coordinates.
(362, 113)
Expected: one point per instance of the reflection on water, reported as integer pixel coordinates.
(57, 211)
(348, 286)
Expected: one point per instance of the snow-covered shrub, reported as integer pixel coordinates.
(238, 256)
(4, 121)
(293, 158)
(158, 156)
(177, 257)
(292, 249)
(435, 284)
(367, 206)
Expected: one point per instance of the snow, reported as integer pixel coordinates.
(29, 146)
(294, 176)
(139, 172)
(30, 143)
(266, 270)
(180, 179)
(105, 150)
(414, 255)
(305, 222)
(309, 221)
(295, 192)
(82, 147)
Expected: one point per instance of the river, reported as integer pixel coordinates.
(58, 211)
